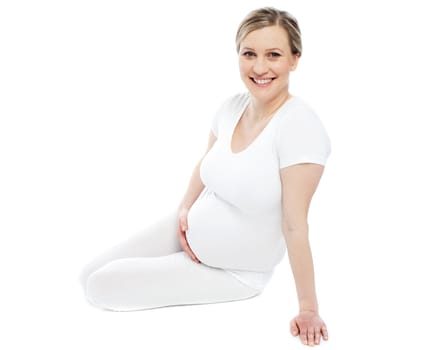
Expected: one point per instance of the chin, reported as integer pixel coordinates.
(263, 96)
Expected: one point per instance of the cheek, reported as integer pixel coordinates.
(280, 72)
(282, 68)
(244, 67)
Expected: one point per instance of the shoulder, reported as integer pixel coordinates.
(300, 118)
(296, 110)
(235, 102)
(226, 113)
(301, 136)
(231, 106)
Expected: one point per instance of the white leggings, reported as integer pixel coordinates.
(150, 270)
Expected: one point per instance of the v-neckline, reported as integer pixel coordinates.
(239, 117)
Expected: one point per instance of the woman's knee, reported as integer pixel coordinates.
(117, 285)
(85, 272)
(100, 288)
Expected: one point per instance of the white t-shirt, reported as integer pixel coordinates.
(236, 223)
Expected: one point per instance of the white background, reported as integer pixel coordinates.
(105, 107)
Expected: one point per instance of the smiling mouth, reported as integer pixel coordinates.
(262, 82)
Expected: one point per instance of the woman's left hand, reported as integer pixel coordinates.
(310, 327)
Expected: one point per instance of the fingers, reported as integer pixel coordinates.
(310, 334)
(293, 328)
(303, 337)
(182, 227)
(324, 332)
(193, 256)
(317, 335)
(187, 249)
(313, 336)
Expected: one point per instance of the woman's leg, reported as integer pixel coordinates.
(157, 240)
(151, 270)
(128, 284)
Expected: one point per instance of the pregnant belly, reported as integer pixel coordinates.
(223, 236)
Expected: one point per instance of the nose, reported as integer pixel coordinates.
(260, 66)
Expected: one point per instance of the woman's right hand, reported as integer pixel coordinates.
(182, 229)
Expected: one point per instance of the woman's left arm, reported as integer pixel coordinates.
(299, 183)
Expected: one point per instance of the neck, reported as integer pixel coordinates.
(260, 110)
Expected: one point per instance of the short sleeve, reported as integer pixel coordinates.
(226, 111)
(215, 122)
(301, 137)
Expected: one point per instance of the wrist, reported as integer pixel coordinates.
(308, 306)
(183, 206)
(313, 311)
(183, 211)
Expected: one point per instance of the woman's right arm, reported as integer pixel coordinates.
(195, 187)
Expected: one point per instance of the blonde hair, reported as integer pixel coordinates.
(269, 16)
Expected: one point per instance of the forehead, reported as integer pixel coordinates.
(267, 37)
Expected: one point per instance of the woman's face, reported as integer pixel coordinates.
(265, 63)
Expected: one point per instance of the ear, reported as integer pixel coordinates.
(294, 62)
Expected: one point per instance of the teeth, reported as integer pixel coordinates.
(262, 81)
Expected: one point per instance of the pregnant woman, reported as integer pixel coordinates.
(246, 203)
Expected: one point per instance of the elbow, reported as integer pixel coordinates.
(295, 230)
(294, 227)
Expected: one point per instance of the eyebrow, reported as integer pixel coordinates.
(272, 49)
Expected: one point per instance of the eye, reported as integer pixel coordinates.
(248, 54)
(274, 55)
